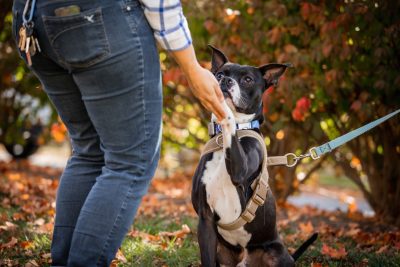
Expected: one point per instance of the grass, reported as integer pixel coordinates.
(166, 252)
(173, 252)
(336, 181)
(32, 247)
(355, 256)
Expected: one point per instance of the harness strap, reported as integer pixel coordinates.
(260, 184)
(216, 143)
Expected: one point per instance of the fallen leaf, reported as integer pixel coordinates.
(46, 256)
(120, 256)
(382, 249)
(11, 243)
(339, 253)
(306, 228)
(39, 221)
(8, 226)
(178, 234)
(353, 232)
(31, 263)
(26, 244)
(143, 235)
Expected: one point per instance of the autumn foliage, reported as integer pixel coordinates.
(346, 60)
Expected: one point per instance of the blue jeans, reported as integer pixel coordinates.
(100, 68)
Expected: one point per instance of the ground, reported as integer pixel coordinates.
(164, 233)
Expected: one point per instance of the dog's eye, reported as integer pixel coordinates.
(248, 79)
(219, 76)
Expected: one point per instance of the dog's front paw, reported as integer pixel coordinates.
(228, 124)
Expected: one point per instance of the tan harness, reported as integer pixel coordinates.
(260, 184)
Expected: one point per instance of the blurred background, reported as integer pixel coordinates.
(346, 57)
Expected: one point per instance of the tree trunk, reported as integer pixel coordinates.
(381, 168)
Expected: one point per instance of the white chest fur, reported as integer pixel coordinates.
(223, 198)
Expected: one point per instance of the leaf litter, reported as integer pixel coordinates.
(27, 205)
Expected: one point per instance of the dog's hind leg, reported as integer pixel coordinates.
(229, 256)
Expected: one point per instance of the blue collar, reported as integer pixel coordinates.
(214, 128)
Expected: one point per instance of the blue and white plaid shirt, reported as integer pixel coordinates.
(168, 22)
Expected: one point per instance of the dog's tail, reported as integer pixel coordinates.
(304, 246)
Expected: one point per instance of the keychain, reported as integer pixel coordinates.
(28, 43)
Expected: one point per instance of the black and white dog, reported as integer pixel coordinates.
(222, 181)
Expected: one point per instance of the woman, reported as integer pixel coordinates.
(99, 65)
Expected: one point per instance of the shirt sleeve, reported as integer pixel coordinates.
(168, 22)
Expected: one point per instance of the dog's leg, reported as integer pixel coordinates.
(207, 237)
(239, 164)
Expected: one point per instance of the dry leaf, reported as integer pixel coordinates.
(11, 243)
(339, 253)
(382, 249)
(178, 234)
(120, 256)
(8, 226)
(306, 228)
(31, 263)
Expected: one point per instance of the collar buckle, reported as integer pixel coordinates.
(214, 128)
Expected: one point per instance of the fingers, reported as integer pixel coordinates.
(213, 104)
(206, 88)
(217, 100)
(218, 109)
(218, 91)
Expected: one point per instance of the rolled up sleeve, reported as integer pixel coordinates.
(168, 22)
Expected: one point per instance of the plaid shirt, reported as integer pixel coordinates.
(168, 22)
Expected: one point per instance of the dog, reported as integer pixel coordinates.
(222, 183)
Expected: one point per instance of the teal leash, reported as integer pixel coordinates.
(317, 152)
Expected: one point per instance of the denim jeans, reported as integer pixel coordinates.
(101, 70)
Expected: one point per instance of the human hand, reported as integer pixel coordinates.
(203, 84)
(206, 88)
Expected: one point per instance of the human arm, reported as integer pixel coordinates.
(172, 33)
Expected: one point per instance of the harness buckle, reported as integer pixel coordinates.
(211, 129)
(259, 200)
(247, 216)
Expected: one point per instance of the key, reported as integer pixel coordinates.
(34, 41)
(22, 38)
(27, 52)
(37, 45)
(32, 49)
(27, 45)
(29, 34)
(28, 58)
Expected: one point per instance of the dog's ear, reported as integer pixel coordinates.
(272, 72)
(218, 59)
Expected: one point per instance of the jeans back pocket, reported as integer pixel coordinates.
(78, 40)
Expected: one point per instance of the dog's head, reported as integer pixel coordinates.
(243, 85)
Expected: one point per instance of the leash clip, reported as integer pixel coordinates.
(293, 159)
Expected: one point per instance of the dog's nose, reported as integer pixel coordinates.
(228, 82)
